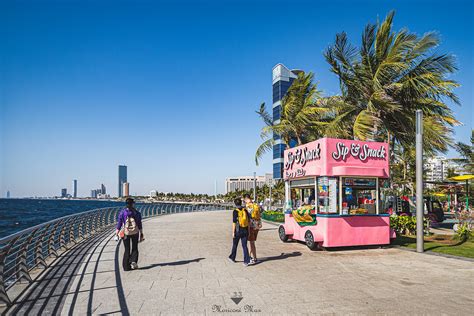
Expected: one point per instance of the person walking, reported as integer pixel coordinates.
(255, 225)
(240, 226)
(130, 229)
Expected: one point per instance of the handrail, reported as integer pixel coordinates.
(31, 248)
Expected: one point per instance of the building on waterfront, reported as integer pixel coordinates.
(74, 188)
(246, 182)
(126, 189)
(94, 194)
(8, 194)
(153, 193)
(282, 80)
(103, 190)
(122, 178)
(63, 193)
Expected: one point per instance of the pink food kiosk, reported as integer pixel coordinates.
(332, 193)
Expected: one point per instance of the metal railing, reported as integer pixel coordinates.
(33, 248)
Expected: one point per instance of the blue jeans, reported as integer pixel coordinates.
(241, 235)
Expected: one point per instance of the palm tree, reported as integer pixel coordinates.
(299, 114)
(467, 153)
(403, 168)
(385, 80)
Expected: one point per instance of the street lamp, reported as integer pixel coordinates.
(419, 181)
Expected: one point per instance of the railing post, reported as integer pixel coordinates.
(80, 228)
(102, 213)
(22, 266)
(39, 253)
(4, 299)
(96, 221)
(72, 229)
(52, 234)
(62, 241)
(109, 218)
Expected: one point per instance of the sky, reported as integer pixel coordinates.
(170, 89)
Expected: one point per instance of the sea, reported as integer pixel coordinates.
(19, 214)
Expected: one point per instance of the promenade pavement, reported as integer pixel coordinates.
(184, 270)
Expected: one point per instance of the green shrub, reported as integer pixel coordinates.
(406, 225)
(463, 232)
(274, 216)
(465, 224)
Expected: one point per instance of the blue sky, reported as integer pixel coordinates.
(170, 89)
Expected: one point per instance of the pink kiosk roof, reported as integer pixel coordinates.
(337, 157)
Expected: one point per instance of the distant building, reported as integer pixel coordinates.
(63, 193)
(102, 189)
(8, 194)
(153, 193)
(455, 165)
(122, 178)
(94, 194)
(74, 188)
(436, 168)
(246, 182)
(282, 80)
(126, 189)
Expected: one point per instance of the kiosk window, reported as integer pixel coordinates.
(359, 195)
(328, 195)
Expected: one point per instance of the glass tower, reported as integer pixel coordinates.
(282, 80)
(122, 178)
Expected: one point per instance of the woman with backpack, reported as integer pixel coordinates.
(130, 229)
(240, 231)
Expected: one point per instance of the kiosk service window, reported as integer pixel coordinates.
(359, 195)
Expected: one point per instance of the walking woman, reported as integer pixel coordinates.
(130, 229)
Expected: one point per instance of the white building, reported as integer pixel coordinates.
(246, 182)
(126, 189)
(436, 168)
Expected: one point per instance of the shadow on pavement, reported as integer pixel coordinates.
(281, 256)
(174, 263)
(48, 292)
(274, 228)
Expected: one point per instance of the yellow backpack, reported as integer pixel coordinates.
(255, 212)
(242, 217)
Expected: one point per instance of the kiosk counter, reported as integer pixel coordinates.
(332, 193)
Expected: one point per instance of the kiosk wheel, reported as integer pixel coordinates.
(309, 240)
(282, 234)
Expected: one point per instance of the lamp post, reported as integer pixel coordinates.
(254, 186)
(419, 181)
(270, 201)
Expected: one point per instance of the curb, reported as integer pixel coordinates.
(271, 223)
(432, 253)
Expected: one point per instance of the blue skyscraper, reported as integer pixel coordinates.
(122, 178)
(74, 188)
(63, 193)
(8, 194)
(282, 80)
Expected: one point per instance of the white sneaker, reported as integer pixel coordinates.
(134, 265)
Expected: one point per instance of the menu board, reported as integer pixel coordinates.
(366, 182)
(333, 195)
